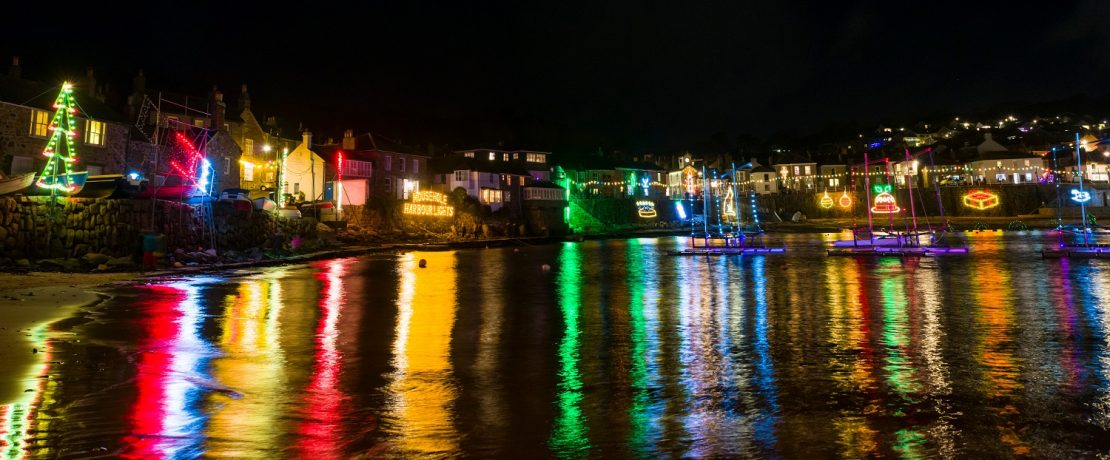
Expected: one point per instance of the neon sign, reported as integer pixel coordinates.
(432, 204)
(884, 201)
(981, 200)
(1080, 196)
(826, 201)
(845, 201)
(646, 209)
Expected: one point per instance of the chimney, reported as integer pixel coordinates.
(14, 70)
(349, 139)
(307, 136)
(90, 82)
(244, 99)
(219, 110)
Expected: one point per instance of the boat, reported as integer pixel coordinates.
(100, 186)
(238, 198)
(17, 184)
(914, 241)
(728, 235)
(75, 180)
(264, 204)
(1084, 237)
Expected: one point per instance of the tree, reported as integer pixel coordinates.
(60, 152)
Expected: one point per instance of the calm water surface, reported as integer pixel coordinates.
(617, 351)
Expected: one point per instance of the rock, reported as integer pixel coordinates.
(23, 263)
(93, 258)
(120, 262)
(80, 250)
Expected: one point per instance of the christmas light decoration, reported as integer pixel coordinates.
(845, 201)
(680, 210)
(826, 201)
(1080, 196)
(433, 204)
(884, 201)
(58, 172)
(646, 209)
(981, 200)
(279, 189)
(730, 200)
(339, 181)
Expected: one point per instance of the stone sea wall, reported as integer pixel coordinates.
(70, 229)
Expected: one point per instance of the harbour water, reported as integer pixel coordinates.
(615, 351)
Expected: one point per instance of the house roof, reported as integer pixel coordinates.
(41, 96)
(544, 184)
(763, 169)
(451, 164)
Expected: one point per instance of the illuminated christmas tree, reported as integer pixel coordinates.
(59, 151)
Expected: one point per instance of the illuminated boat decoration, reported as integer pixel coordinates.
(62, 185)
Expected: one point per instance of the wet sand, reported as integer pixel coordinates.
(28, 304)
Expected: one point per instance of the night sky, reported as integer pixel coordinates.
(652, 77)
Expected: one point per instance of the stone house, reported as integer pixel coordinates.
(262, 145)
(397, 170)
(26, 109)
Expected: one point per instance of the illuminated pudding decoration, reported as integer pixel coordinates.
(981, 200)
(1080, 196)
(884, 201)
(826, 201)
(845, 201)
(428, 204)
(646, 209)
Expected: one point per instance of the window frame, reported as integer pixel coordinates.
(35, 118)
(95, 136)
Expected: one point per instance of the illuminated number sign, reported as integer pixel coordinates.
(646, 209)
(428, 204)
(981, 199)
(730, 206)
(1080, 196)
(826, 201)
(845, 200)
(884, 201)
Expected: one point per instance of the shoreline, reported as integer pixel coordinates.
(28, 313)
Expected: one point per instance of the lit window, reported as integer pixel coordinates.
(807, 170)
(248, 170)
(492, 156)
(199, 122)
(248, 146)
(521, 180)
(40, 123)
(468, 154)
(94, 132)
(1026, 162)
(504, 157)
(1029, 177)
(796, 170)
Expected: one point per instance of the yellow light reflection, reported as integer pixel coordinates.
(993, 294)
(423, 390)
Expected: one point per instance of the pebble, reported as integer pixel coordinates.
(423, 263)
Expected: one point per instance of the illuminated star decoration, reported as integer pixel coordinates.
(884, 201)
(981, 200)
(826, 201)
(61, 133)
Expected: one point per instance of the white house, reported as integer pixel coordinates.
(765, 180)
(304, 170)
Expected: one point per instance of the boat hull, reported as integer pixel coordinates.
(17, 184)
(77, 180)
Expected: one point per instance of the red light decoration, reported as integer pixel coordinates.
(981, 200)
(845, 201)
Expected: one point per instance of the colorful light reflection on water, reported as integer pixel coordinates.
(617, 351)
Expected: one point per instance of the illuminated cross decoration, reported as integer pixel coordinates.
(59, 151)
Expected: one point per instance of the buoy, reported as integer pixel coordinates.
(423, 263)
(545, 267)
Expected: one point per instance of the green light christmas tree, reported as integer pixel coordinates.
(59, 164)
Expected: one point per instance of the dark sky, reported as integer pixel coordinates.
(651, 76)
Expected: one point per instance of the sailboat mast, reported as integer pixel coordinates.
(867, 187)
(913, 214)
(1079, 172)
(936, 187)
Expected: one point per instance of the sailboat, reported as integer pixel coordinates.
(17, 184)
(1085, 244)
(891, 241)
(727, 235)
